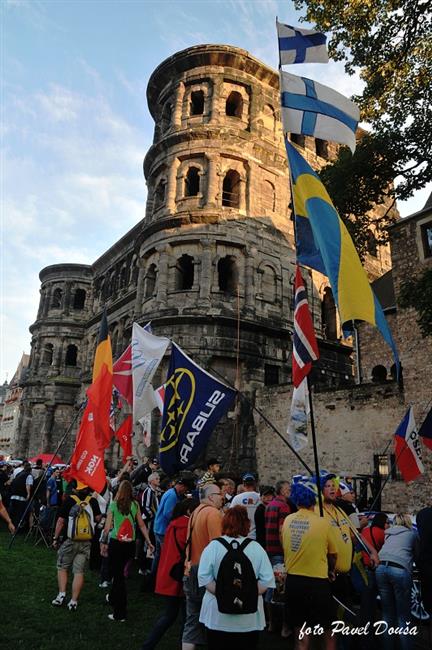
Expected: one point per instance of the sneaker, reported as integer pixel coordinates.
(58, 600)
(120, 620)
(105, 584)
(72, 606)
(107, 599)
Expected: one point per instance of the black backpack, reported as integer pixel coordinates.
(236, 582)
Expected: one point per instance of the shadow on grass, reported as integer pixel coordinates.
(29, 621)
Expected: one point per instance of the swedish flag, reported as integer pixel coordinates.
(324, 243)
(193, 405)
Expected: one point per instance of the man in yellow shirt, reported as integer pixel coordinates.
(343, 535)
(310, 556)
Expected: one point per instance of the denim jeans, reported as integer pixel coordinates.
(173, 606)
(158, 548)
(394, 586)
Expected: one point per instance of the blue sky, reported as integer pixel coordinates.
(75, 125)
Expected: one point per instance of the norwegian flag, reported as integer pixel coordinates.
(305, 347)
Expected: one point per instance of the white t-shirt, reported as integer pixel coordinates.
(207, 571)
(250, 500)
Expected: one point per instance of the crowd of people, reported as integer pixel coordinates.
(230, 558)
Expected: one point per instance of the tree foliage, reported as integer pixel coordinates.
(417, 293)
(390, 42)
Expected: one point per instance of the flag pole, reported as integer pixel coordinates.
(357, 351)
(312, 419)
(315, 447)
(59, 446)
(266, 420)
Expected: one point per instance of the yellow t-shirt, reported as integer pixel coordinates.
(342, 535)
(307, 539)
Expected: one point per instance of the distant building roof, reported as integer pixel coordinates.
(384, 290)
(426, 208)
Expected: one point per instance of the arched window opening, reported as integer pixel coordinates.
(231, 189)
(134, 270)
(56, 301)
(268, 284)
(328, 315)
(150, 281)
(228, 275)
(115, 342)
(321, 148)
(159, 195)
(269, 119)
(47, 354)
(192, 182)
(123, 277)
(379, 374)
(234, 104)
(197, 102)
(71, 355)
(113, 283)
(371, 244)
(79, 299)
(184, 273)
(166, 116)
(268, 196)
(298, 139)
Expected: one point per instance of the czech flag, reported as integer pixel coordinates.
(425, 431)
(408, 448)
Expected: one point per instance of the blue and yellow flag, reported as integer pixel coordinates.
(324, 243)
(193, 405)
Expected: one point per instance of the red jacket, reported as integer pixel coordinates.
(375, 537)
(170, 555)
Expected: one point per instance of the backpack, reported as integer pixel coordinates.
(236, 582)
(80, 523)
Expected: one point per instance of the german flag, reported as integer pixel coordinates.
(100, 392)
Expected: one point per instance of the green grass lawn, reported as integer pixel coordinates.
(30, 622)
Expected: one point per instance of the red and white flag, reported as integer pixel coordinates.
(122, 375)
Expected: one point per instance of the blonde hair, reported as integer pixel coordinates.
(402, 519)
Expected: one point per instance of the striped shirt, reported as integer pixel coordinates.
(149, 504)
(275, 514)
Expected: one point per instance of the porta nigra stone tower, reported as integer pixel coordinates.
(211, 264)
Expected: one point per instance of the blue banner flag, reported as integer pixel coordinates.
(194, 403)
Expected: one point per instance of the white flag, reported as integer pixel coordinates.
(309, 108)
(147, 353)
(145, 422)
(297, 425)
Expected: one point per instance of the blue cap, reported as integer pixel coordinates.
(248, 478)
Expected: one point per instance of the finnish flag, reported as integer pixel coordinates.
(301, 45)
(309, 108)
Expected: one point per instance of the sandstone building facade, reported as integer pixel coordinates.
(211, 264)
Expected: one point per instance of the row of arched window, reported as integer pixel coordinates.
(117, 278)
(78, 301)
(193, 187)
(71, 356)
(234, 106)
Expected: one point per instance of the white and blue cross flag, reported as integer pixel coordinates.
(194, 403)
(309, 108)
(301, 45)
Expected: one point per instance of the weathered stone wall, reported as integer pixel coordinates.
(351, 426)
